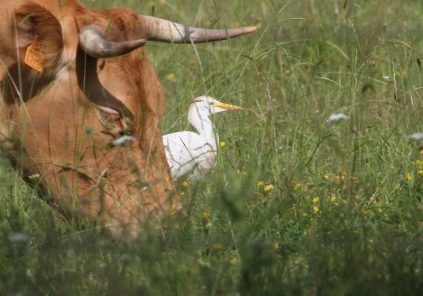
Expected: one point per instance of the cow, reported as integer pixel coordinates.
(74, 81)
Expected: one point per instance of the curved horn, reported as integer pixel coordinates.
(94, 43)
(167, 31)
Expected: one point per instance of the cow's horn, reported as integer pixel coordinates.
(167, 31)
(94, 43)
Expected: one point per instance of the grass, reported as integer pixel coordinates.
(344, 214)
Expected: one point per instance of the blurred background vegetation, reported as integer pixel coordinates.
(296, 204)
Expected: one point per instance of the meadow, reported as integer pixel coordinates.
(297, 204)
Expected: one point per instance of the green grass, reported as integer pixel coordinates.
(345, 214)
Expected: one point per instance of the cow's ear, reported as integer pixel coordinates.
(39, 37)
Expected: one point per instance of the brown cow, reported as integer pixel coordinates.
(73, 80)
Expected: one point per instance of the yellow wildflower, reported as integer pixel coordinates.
(338, 179)
(298, 186)
(316, 199)
(400, 74)
(206, 214)
(420, 173)
(222, 144)
(316, 209)
(409, 177)
(275, 246)
(268, 188)
(170, 77)
(260, 183)
(332, 198)
(185, 184)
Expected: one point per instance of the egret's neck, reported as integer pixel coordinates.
(204, 126)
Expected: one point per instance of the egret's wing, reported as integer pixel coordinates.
(184, 151)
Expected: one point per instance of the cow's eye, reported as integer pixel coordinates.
(111, 120)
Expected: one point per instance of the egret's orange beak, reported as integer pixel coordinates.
(227, 106)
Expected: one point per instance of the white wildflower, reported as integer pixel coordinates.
(415, 137)
(123, 139)
(337, 116)
(34, 177)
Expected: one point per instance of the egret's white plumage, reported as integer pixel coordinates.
(187, 151)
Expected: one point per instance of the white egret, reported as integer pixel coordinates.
(187, 151)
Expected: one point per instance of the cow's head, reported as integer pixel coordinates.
(74, 81)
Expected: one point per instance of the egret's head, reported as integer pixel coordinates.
(205, 106)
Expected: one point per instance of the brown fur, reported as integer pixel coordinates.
(55, 119)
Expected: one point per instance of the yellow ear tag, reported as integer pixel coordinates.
(34, 57)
